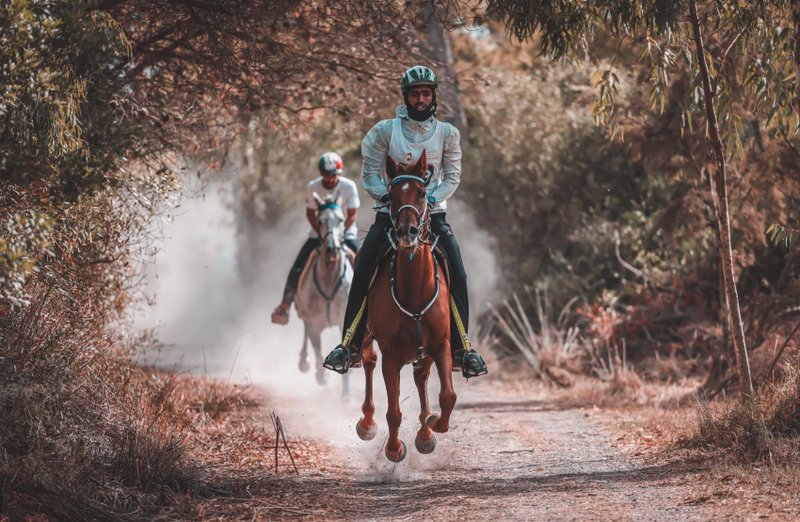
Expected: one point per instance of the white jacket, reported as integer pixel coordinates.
(375, 148)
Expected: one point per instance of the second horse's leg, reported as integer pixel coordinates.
(303, 364)
(315, 335)
(366, 427)
(395, 448)
(425, 440)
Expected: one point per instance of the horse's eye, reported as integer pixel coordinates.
(421, 195)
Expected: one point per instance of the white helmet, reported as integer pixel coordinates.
(330, 163)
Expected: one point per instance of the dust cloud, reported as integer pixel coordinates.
(211, 323)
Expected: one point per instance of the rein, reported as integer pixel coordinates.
(343, 260)
(423, 224)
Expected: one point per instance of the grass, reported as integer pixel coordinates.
(765, 428)
(550, 343)
(85, 434)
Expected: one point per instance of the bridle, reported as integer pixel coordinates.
(423, 217)
(339, 250)
(423, 221)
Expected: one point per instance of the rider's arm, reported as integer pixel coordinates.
(311, 215)
(351, 218)
(451, 166)
(374, 149)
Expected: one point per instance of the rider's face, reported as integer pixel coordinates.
(420, 97)
(329, 180)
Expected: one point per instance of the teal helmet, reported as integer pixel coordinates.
(418, 75)
(330, 163)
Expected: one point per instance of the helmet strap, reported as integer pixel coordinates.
(423, 115)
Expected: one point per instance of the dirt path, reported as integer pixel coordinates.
(505, 458)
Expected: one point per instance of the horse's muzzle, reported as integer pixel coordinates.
(407, 236)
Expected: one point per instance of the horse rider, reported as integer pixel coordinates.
(404, 138)
(329, 182)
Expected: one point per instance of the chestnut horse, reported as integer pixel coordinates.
(409, 315)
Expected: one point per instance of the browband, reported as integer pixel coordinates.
(405, 177)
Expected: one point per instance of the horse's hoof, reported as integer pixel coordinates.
(396, 457)
(433, 423)
(367, 433)
(425, 446)
(304, 366)
(321, 378)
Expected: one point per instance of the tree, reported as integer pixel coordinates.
(748, 40)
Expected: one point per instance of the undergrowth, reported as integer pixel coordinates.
(87, 435)
(764, 428)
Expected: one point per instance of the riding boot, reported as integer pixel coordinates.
(348, 352)
(465, 358)
(281, 313)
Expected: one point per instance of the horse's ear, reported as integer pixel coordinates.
(391, 167)
(318, 199)
(337, 196)
(422, 165)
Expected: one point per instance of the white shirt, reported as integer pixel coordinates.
(348, 198)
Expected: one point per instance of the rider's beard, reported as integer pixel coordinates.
(421, 115)
(329, 181)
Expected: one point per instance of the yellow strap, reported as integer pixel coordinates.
(462, 332)
(350, 332)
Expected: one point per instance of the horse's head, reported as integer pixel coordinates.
(409, 203)
(330, 222)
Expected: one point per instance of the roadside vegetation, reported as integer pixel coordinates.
(611, 238)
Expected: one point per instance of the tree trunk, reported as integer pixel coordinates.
(439, 51)
(720, 193)
(796, 20)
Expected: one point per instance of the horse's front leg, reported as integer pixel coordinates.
(366, 427)
(447, 395)
(425, 440)
(395, 448)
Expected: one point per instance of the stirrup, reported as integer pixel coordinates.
(341, 359)
(470, 363)
(280, 315)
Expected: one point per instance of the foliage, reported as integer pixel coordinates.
(782, 234)
(764, 429)
(99, 99)
(579, 214)
(746, 37)
(551, 341)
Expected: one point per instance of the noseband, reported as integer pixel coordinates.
(320, 209)
(423, 223)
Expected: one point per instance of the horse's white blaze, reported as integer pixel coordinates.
(405, 187)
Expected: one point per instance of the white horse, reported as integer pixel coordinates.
(322, 291)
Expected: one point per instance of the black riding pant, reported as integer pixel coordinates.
(375, 244)
(300, 263)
